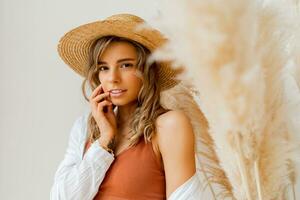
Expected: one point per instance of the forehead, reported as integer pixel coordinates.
(117, 50)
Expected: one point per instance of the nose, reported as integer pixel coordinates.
(114, 76)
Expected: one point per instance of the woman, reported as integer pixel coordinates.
(130, 146)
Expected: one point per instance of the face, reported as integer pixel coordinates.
(118, 71)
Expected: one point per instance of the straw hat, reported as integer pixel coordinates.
(75, 45)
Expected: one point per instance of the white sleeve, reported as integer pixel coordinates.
(190, 190)
(77, 177)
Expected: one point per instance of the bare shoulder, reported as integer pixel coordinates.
(171, 116)
(173, 119)
(174, 127)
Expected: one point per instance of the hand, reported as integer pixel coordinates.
(102, 111)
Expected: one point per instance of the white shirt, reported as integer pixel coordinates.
(78, 177)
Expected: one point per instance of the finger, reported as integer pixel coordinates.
(100, 97)
(102, 104)
(109, 97)
(96, 91)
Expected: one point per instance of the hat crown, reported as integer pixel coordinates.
(125, 17)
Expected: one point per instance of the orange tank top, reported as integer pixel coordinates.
(135, 173)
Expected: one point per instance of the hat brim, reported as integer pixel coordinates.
(74, 46)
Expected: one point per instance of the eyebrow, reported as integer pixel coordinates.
(120, 60)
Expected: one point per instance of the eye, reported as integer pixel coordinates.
(102, 68)
(126, 65)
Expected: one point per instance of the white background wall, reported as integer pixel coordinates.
(40, 96)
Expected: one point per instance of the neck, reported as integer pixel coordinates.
(125, 113)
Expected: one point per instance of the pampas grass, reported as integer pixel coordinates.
(235, 53)
(182, 97)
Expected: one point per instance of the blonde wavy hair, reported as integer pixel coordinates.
(148, 101)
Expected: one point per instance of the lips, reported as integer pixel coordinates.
(116, 91)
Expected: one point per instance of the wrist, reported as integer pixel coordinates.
(107, 144)
(105, 141)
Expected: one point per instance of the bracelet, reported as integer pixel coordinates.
(109, 146)
(111, 143)
(108, 149)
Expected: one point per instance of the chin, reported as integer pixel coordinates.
(120, 102)
(117, 104)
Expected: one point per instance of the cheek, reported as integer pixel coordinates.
(103, 85)
(105, 89)
(135, 82)
(136, 77)
(100, 78)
